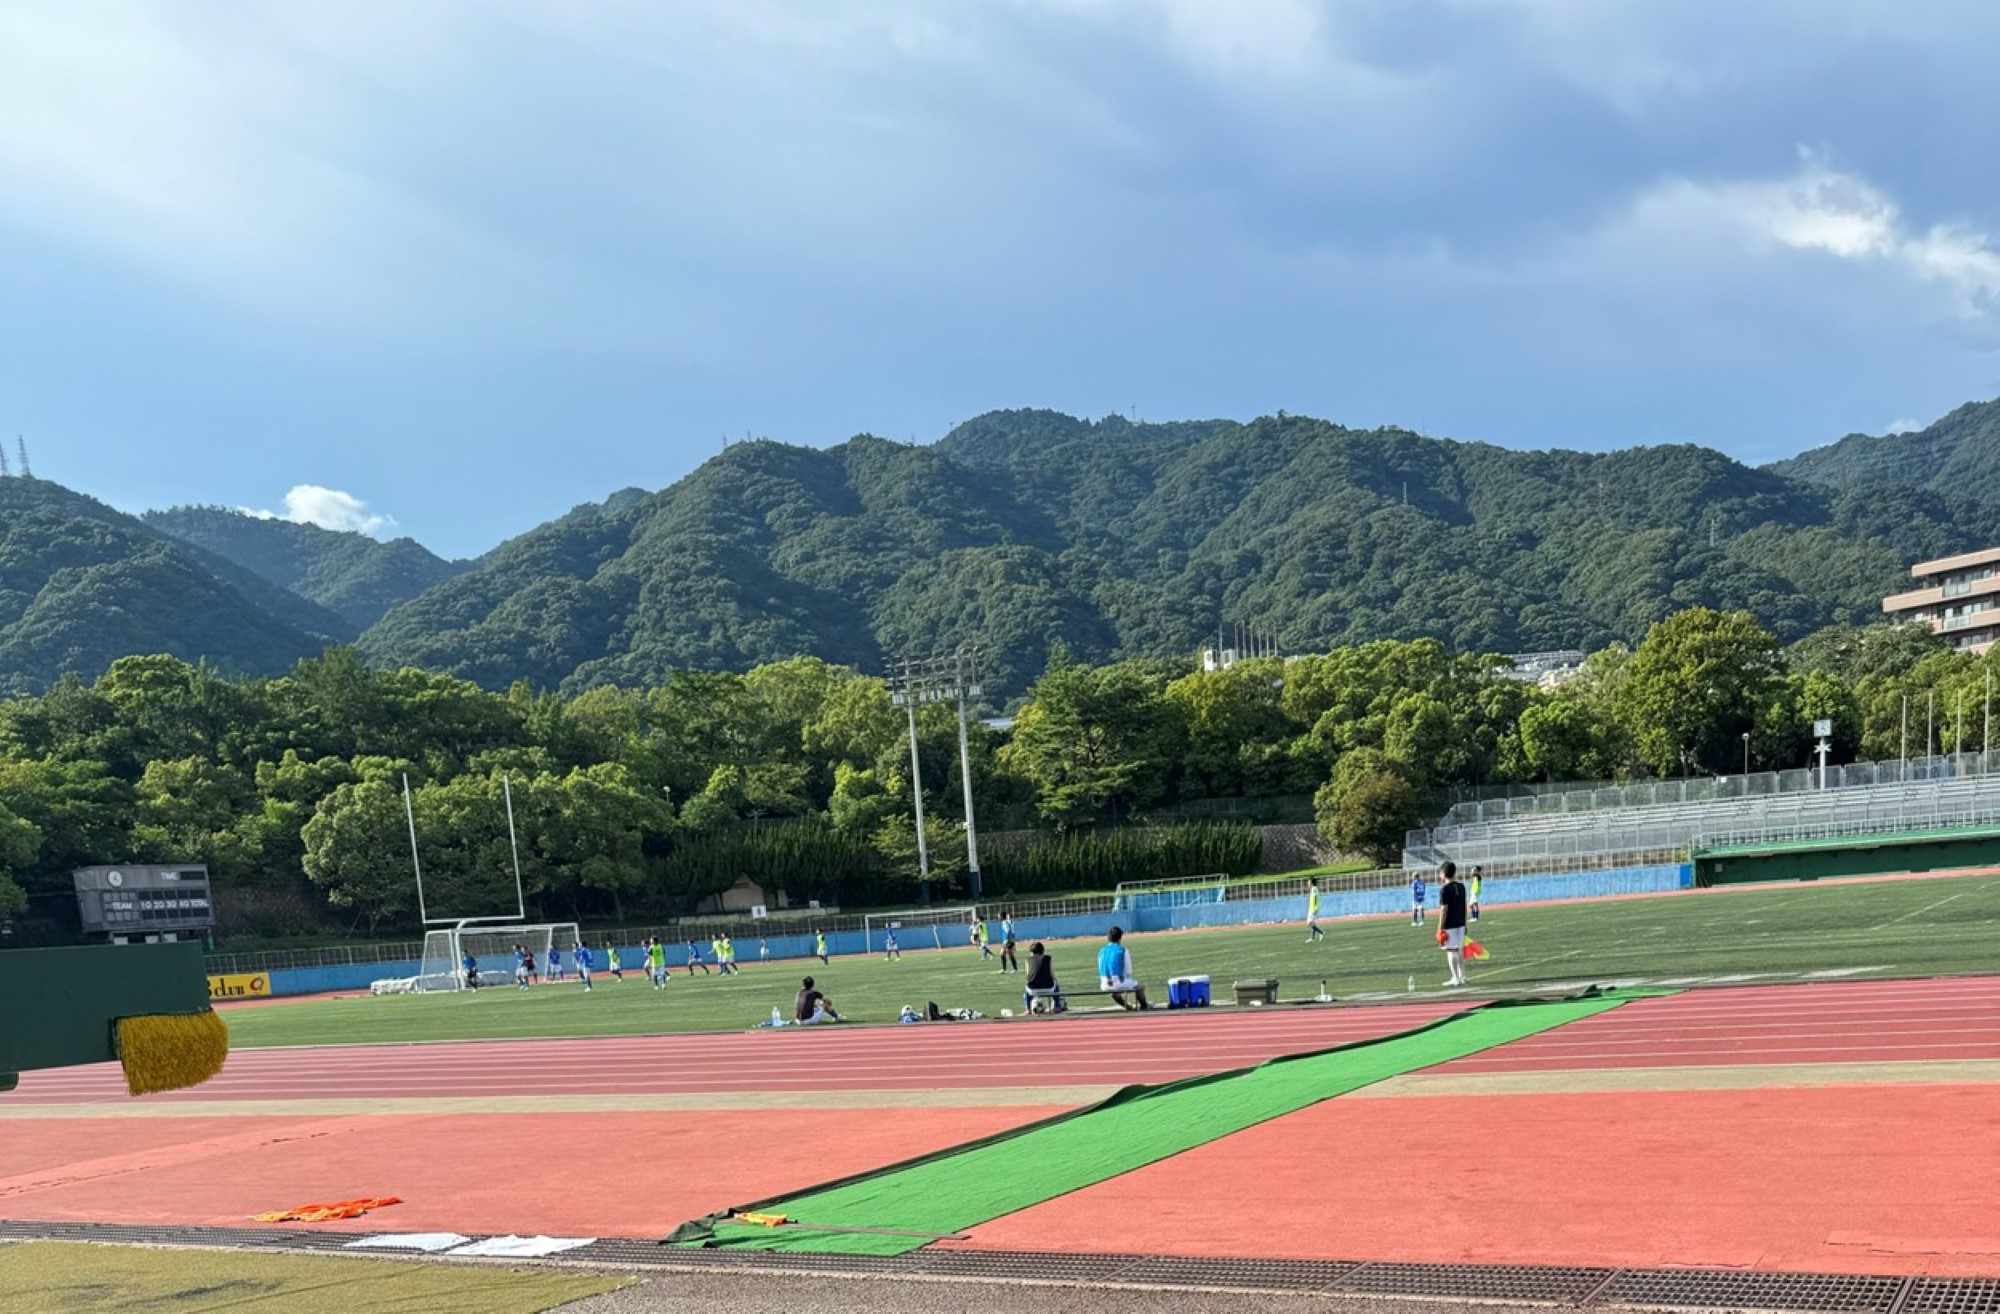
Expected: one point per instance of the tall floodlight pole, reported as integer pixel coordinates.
(964, 677)
(905, 694)
(410, 812)
(1930, 723)
(1986, 730)
(1903, 757)
(1958, 736)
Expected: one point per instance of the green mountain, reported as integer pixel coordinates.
(82, 585)
(350, 574)
(1023, 527)
(1959, 454)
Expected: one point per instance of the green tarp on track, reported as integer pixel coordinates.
(966, 1185)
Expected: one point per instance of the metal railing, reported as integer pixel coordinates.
(1594, 796)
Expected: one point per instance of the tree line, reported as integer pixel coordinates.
(645, 802)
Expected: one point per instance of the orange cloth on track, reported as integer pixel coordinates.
(320, 1213)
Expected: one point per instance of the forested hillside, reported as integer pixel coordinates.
(350, 574)
(1020, 528)
(1958, 454)
(82, 585)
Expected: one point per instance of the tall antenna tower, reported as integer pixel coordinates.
(21, 446)
(4, 471)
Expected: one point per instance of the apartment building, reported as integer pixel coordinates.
(1958, 597)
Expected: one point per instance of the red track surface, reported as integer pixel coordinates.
(1857, 1179)
(1837, 1022)
(1850, 1177)
(1109, 1051)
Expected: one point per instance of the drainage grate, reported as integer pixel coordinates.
(1953, 1296)
(1746, 1290)
(1267, 1274)
(1023, 1265)
(1566, 1286)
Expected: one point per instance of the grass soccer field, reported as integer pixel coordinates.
(1934, 926)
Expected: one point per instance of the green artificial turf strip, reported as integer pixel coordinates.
(972, 1184)
(49, 1277)
(1933, 926)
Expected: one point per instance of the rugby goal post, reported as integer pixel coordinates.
(938, 925)
(1173, 892)
(492, 949)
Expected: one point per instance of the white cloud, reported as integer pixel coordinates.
(1823, 209)
(329, 508)
(1904, 426)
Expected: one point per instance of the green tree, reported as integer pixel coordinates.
(1699, 680)
(1368, 805)
(357, 851)
(1095, 740)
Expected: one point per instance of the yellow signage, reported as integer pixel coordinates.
(241, 986)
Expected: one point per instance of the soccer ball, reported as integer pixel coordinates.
(1006, 1012)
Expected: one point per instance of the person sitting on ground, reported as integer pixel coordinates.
(1041, 986)
(811, 1007)
(1114, 971)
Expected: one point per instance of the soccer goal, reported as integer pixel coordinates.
(492, 949)
(1174, 892)
(941, 926)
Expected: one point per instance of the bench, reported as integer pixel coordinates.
(1030, 999)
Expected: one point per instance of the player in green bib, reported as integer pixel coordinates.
(656, 962)
(1312, 913)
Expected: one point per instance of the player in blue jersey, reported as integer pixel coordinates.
(889, 949)
(523, 967)
(1417, 901)
(583, 963)
(1114, 971)
(555, 972)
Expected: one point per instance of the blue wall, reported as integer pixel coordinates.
(499, 968)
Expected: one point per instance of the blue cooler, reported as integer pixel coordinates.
(1187, 992)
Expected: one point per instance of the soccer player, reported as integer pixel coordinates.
(613, 961)
(583, 965)
(819, 945)
(1417, 900)
(696, 960)
(812, 1008)
(1475, 893)
(1451, 902)
(1008, 962)
(979, 938)
(763, 950)
(470, 966)
(656, 961)
(729, 956)
(889, 949)
(1313, 933)
(1041, 994)
(555, 963)
(1114, 971)
(533, 974)
(521, 964)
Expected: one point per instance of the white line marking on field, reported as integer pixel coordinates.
(1830, 972)
(1927, 907)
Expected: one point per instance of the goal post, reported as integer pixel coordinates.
(492, 950)
(1173, 892)
(941, 926)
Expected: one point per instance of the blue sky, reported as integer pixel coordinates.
(448, 269)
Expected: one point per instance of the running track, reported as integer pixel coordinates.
(1108, 1051)
(1835, 1022)
(1843, 1022)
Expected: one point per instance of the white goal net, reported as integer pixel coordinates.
(921, 928)
(492, 949)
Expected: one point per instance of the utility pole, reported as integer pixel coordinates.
(1903, 756)
(21, 446)
(965, 676)
(903, 694)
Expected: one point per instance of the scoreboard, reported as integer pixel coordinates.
(144, 902)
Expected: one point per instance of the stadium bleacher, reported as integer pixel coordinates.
(1595, 826)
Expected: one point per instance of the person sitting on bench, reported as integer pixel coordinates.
(1042, 994)
(811, 1007)
(1114, 971)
